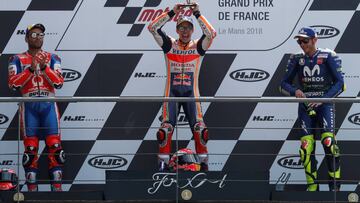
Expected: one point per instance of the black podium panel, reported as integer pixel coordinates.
(131, 185)
(313, 196)
(7, 196)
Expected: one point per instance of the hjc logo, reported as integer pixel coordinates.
(291, 162)
(70, 75)
(263, 118)
(75, 118)
(23, 32)
(3, 119)
(324, 31)
(355, 119)
(145, 75)
(249, 75)
(6, 162)
(107, 162)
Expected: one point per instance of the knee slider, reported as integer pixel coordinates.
(30, 156)
(164, 133)
(201, 129)
(307, 147)
(58, 153)
(329, 143)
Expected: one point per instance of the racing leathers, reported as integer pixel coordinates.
(319, 76)
(38, 120)
(183, 64)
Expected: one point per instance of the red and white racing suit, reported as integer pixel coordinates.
(183, 67)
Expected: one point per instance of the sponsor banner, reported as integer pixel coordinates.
(329, 28)
(14, 5)
(7, 112)
(351, 125)
(149, 77)
(106, 155)
(74, 67)
(351, 74)
(84, 121)
(55, 24)
(269, 122)
(219, 152)
(250, 77)
(249, 23)
(287, 167)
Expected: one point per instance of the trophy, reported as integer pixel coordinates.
(188, 3)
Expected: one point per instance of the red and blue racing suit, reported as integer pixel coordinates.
(38, 120)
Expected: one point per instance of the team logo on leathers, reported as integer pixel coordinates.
(107, 162)
(249, 75)
(3, 119)
(324, 31)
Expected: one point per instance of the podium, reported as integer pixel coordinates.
(7, 196)
(322, 196)
(185, 186)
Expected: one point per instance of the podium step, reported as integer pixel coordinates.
(323, 196)
(7, 196)
(186, 186)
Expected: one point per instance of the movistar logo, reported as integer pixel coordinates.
(310, 73)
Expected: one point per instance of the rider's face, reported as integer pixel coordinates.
(307, 44)
(185, 30)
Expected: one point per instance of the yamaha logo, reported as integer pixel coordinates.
(355, 119)
(249, 75)
(3, 119)
(324, 31)
(291, 162)
(107, 162)
(70, 75)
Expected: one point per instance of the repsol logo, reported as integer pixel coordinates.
(291, 162)
(70, 75)
(249, 75)
(325, 31)
(3, 119)
(355, 119)
(107, 162)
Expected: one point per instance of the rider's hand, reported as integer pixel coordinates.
(42, 59)
(299, 94)
(195, 7)
(177, 8)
